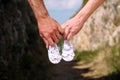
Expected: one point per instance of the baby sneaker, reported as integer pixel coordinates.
(67, 51)
(53, 54)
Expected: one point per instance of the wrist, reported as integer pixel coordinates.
(82, 17)
(38, 8)
(40, 16)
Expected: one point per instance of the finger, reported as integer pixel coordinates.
(70, 35)
(55, 39)
(50, 41)
(46, 42)
(59, 36)
(60, 29)
(67, 31)
(63, 26)
(41, 35)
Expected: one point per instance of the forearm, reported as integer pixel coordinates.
(38, 8)
(88, 9)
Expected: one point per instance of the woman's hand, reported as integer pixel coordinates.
(72, 27)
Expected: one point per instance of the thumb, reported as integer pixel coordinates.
(61, 30)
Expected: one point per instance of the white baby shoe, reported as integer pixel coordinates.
(54, 55)
(67, 51)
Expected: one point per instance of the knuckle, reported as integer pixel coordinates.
(54, 29)
(51, 31)
(72, 31)
(46, 35)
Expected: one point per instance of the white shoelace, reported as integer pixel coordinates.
(67, 53)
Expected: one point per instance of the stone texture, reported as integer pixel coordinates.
(102, 28)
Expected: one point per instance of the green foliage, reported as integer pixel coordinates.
(85, 1)
(115, 62)
(85, 56)
(111, 56)
(60, 43)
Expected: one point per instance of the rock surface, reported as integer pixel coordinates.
(102, 28)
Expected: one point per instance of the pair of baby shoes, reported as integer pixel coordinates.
(67, 53)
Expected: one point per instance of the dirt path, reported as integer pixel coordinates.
(68, 71)
(79, 71)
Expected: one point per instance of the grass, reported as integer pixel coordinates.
(86, 56)
(115, 59)
(60, 43)
(110, 58)
(85, 1)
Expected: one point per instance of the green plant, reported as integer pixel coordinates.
(85, 56)
(115, 62)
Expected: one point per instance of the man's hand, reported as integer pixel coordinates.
(50, 30)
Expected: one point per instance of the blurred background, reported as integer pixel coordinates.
(23, 55)
(62, 10)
